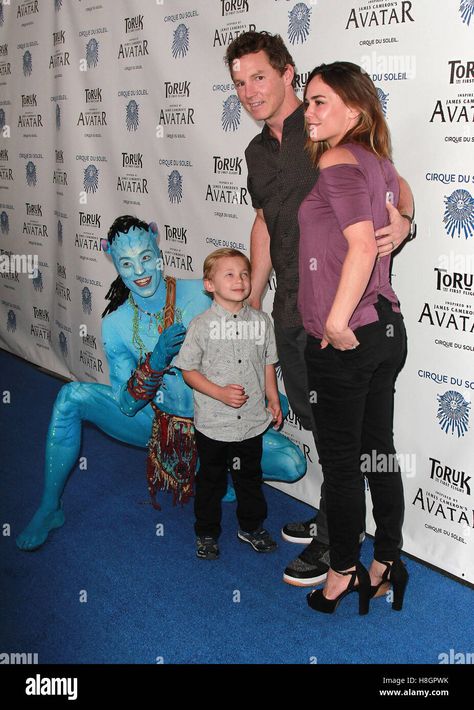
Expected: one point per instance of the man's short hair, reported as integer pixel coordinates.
(251, 42)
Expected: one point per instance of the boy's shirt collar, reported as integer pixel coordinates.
(224, 313)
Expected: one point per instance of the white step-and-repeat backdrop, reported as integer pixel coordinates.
(110, 107)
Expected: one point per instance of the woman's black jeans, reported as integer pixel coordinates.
(351, 392)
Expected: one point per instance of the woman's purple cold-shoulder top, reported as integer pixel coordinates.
(344, 194)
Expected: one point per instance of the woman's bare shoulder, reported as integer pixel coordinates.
(339, 155)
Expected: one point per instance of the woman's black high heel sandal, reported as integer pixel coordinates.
(396, 575)
(318, 602)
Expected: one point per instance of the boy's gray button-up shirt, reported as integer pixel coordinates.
(230, 349)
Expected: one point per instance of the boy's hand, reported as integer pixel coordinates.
(233, 395)
(275, 409)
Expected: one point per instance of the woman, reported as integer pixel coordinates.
(356, 338)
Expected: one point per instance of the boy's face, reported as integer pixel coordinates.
(260, 88)
(230, 281)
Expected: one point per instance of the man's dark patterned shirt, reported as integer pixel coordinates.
(279, 178)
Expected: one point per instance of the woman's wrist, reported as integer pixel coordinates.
(333, 327)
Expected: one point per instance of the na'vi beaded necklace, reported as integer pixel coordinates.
(156, 323)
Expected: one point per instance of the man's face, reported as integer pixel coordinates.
(136, 258)
(260, 87)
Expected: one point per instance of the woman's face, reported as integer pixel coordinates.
(327, 116)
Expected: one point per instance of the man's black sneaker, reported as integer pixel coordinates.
(303, 532)
(310, 568)
(260, 540)
(207, 548)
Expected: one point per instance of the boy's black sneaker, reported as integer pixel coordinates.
(207, 548)
(259, 539)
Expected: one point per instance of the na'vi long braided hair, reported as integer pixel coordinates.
(118, 292)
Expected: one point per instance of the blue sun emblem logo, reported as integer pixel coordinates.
(4, 222)
(131, 115)
(453, 413)
(458, 215)
(27, 63)
(92, 53)
(86, 300)
(231, 113)
(383, 98)
(466, 9)
(180, 45)
(11, 321)
(91, 178)
(31, 176)
(38, 281)
(175, 186)
(299, 21)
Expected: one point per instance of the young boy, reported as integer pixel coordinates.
(228, 359)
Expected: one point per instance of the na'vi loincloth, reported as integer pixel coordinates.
(172, 457)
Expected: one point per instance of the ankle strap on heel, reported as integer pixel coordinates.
(353, 575)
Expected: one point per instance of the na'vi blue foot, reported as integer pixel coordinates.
(38, 529)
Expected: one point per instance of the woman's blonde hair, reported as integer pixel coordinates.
(356, 89)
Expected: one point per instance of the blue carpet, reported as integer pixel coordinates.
(107, 589)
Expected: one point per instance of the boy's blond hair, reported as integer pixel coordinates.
(213, 257)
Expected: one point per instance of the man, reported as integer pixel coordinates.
(280, 175)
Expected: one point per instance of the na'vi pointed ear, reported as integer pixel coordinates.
(153, 229)
(105, 246)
